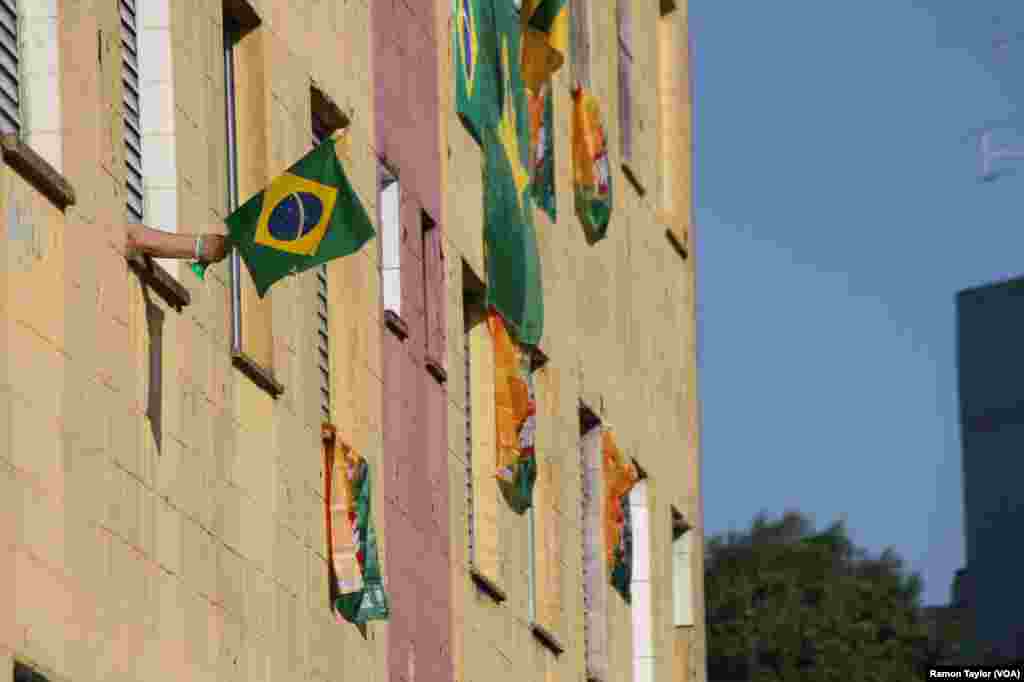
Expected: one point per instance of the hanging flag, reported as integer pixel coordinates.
(515, 411)
(545, 28)
(620, 475)
(476, 50)
(542, 149)
(591, 172)
(545, 41)
(356, 583)
(307, 216)
(513, 262)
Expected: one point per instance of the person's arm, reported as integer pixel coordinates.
(159, 244)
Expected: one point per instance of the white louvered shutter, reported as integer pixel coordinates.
(320, 133)
(132, 122)
(10, 94)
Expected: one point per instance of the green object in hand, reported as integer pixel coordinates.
(199, 269)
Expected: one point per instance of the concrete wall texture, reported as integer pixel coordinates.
(161, 515)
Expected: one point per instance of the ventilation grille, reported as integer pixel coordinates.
(10, 95)
(132, 125)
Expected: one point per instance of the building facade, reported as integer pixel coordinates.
(162, 470)
(991, 431)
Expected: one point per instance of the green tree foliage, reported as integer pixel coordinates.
(785, 602)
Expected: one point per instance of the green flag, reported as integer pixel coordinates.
(305, 217)
(513, 261)
(542, 149)
(475, 50)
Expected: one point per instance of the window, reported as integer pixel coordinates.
(390, 241)
(640, 584)
(595, 569)
(10, 69)
(481, 488)
(23, 673)
(544, 532)
(326, 119)
(39, 76)
(245, 94)
(674, 124)
(625, 37)
(682, 579)
(320, 133)
(231, 35)
(132, 109)
(579, 14)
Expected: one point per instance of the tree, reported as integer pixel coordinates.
(787, 603)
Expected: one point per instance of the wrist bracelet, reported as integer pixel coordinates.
(199, 247)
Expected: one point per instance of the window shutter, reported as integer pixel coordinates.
(132, 123)
(467, 351)
(10, 94)
(391, 230)
(320, 132)
(682, 586)
(580, 36)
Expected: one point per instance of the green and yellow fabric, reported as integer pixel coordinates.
(492, 103)
(307, 216)
(356, 582)
(515, 416)
(545, 26)
(620, 475)
(592, 178)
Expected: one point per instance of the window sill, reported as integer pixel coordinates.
(260, 376)
(157, 278)
(487, 585)
(37, 171)
(436, 370)
(547, 639)
(396, 324)
(633, 178)
(677, 243)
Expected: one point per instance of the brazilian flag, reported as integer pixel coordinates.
(513, 260)
(304, 218)
(475, 48)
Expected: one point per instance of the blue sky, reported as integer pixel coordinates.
(838, 212)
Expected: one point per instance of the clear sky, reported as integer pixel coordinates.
(838, 212)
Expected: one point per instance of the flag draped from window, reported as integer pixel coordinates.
(492, 103)
(307, 216)
(545, 26)
(542, 150)
(591, 172)
(620, 475)
(475, 51)
(515, 411)
(356, 582)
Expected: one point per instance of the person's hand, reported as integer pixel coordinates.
(214, 248)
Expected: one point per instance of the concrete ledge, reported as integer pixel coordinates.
(546, 638)
(677, 244)
(436, 370)
(159, 280)
(538, 358)
(633, 178)
(396, 324)
(37, 171)
(260, 376)
(487, 585)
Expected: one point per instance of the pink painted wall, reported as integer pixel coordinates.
(415, 476)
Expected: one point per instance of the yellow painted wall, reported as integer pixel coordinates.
(160, 515)
(620, 332)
